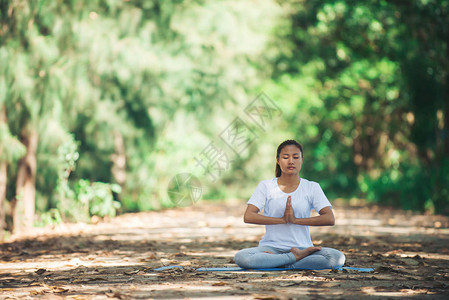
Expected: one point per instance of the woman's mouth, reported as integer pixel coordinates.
(290, 168)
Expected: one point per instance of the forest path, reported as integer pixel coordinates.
(115, 259)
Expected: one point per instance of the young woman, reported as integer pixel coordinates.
(287, 201)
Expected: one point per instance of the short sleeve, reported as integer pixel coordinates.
(319, 199)
(258, 198)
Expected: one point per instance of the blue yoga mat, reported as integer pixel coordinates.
(266, 269)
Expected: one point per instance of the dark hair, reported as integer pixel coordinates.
(278, 171)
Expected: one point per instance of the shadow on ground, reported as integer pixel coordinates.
(117, 259)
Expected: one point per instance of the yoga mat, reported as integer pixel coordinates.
(266, 269)
(357, 269)
(167, 268)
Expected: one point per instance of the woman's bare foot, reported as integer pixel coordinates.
(300, 254)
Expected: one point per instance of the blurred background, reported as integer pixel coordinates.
(103, 103)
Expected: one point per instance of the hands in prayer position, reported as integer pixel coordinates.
(289, 214)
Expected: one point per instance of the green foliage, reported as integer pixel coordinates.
(130, 92)
(139, 70)
(51, 217)
(408, 187)
(371, 97)
(98, 197)
(10, 147)
(67, 157)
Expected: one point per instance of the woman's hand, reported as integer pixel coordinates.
(289, 214)
(326, 218)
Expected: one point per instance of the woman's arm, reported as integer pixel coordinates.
(252, 216)
(326, 217)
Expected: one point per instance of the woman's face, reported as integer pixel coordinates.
(290, 160)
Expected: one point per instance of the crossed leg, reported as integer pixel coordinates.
(270, 257)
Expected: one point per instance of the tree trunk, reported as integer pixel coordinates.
(25, 187)
(118, 159)
(3, 180)
(446, 122)
(446, 104)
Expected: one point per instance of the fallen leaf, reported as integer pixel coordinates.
(221, 283)
(284, 284)
(265, 297)
(37, 292)
(383, 269)
(58, 290)
(96, 279)
(116, 294)
(40, 271)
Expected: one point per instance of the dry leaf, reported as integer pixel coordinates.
(131, 272)
(58, 290)
(221, 283)
(116, 294)
(266, 297)
(37, 292)
(95, 279)
(40, 271)
(284, 284)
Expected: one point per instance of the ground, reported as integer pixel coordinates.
(116, 258)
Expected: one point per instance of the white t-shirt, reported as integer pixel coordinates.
(272, 199)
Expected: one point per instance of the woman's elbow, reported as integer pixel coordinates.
(331, 221)
(249, 217)
(246, 218)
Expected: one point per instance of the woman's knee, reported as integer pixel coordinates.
(339, 260)
(242, 258)
(336, 258)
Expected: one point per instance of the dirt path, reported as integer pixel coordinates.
(115, 259)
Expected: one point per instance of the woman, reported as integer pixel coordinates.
(287, 201)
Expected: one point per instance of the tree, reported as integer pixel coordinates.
(31, 94)
(137, 85)
(10, 151)
(374, 77)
